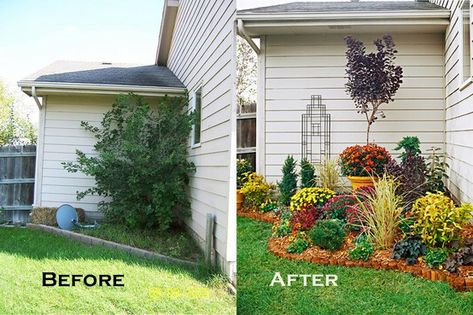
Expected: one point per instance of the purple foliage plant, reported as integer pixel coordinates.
(373, 79)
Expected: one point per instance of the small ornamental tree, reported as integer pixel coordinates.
(141, 162)
(288, 184)
(308, 178)
(373, 79)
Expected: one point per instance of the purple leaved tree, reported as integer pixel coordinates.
(373, 79)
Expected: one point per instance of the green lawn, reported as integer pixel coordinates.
(175, 243)
(359, 290)
(150, 286)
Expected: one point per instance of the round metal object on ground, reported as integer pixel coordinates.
(66, 215)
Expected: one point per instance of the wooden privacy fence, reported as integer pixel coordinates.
(17, 171)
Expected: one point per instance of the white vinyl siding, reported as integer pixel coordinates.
(202, 56)
(298, 66)
(62, 136)
(459, 109)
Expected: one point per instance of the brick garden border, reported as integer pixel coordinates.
(458, 282)
(90, 240)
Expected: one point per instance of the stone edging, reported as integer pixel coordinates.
(90, 240)
(264, 217)
(459, 283)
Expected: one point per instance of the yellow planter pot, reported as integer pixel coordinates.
(360, 181)
(239, 199)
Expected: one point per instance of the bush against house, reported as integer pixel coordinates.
(141, 162)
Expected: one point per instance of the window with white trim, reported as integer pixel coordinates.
(196, 127)
(465, 19)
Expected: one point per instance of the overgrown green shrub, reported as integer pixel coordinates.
(327, 234)
(47, 215)
(288, 184)
(363, 248)
(308, 178)
(141, 162)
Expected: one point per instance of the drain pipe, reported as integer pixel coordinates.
(36, 99)
(242, 33)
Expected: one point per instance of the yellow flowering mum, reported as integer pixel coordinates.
(311, 196)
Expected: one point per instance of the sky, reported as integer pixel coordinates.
(35, 33)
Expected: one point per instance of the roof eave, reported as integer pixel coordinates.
(49, 88)
(166, 31)
(356, 15)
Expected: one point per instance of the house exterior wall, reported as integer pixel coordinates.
(202, 55)
(59, 136)
(298, 66)
(459, 109)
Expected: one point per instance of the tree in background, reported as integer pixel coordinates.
(14, 128)
(247, 64)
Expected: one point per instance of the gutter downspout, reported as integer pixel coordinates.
(242, 33)
(36, 99)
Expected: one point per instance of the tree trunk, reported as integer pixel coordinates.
(368, 133)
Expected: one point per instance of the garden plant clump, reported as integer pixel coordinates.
(399, 214)
(135, 146)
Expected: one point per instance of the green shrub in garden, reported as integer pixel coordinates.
(308, 178)
(243, 170)
(363, 248)
(141, 163)
(288, 184)
(327, 234)
(299, 245)
(435, 257)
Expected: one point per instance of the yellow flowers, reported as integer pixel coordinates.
(438, 220)
(311, 196)
(257, 191)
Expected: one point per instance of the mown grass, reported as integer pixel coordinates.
(151, 287)
(175, 243)
(359, 290)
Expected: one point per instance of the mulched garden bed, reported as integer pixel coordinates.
(381, 259)
(269, 217)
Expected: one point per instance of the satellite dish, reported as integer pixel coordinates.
(66, 217)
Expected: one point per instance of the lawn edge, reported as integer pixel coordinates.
(91, 240)
(457, 282)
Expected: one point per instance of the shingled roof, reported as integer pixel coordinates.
(339, 7)
(105, 74)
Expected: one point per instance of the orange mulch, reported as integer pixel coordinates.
(381, 259)
(269, 217)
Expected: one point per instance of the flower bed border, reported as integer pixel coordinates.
(90, 240)
(268, 217)
(459, 283)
